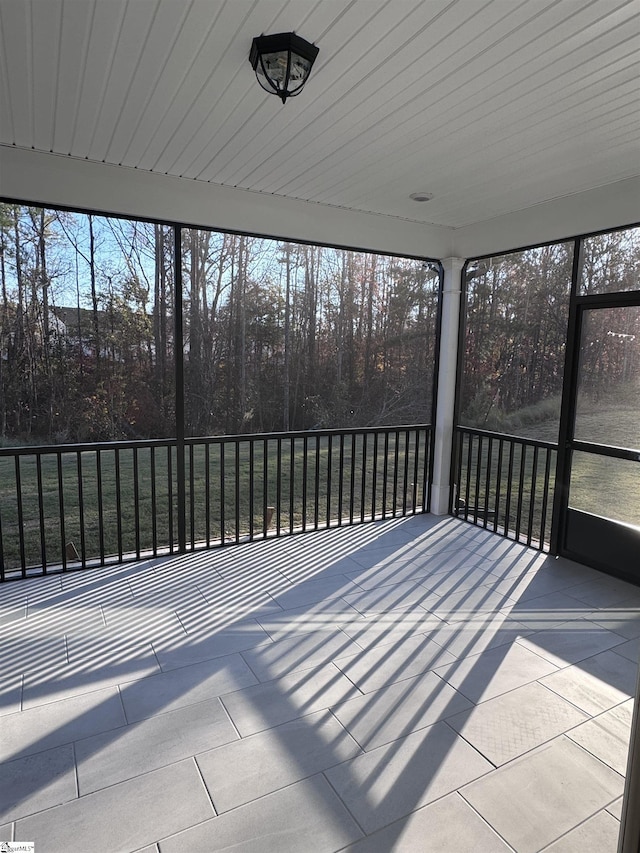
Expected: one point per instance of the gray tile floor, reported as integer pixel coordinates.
(409, 685)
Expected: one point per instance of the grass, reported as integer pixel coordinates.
(127, 502)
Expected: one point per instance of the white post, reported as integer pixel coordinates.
(446, 385)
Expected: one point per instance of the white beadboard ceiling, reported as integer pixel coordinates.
(491, 105)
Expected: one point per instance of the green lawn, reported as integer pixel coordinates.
(130, 501)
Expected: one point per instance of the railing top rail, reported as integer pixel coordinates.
(519, 439)
(91, 447)
(85, 447)
(310, 433)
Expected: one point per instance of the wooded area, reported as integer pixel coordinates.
(516, 320)
(277, 335)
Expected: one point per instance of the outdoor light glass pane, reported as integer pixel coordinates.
(299, 69)
(275, 64)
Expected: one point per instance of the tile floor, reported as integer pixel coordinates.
(409, 685)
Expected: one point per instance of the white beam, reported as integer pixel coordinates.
(51, 179)
(611, 206)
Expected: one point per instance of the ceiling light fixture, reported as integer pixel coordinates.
(421, 196)
(282, 63)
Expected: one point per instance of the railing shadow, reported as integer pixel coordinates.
(214, 619)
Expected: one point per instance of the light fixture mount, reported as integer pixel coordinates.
(282, 63)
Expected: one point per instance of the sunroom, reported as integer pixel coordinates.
(319, 504)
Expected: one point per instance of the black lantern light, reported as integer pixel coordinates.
(282, 63)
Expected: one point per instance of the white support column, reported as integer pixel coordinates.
(446, 385)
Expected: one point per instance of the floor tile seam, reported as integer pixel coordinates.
(532, 749)
(76, 778)
(497, 695)
(473, 746)
(588, 715)
(280, 677)
(203, 782)
(593, 755)
(304, 778)
(79, 798)
(128, 724)
(599, 714)
(460, 793)
(344, 804)
(482, 702)
(599, 760)
(577, 826)
(566, 664)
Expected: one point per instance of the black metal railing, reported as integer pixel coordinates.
(71, 506)
(504, 483)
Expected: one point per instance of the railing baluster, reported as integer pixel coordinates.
(396, 453)
(278, 485)
(154, 508)
(405, 473)
(532, 499)
(467, 493)
(507, 509)
(305, 446)
(223, 490)
(23, 559)
(63, 537)
(265, 484)
(43, 535)
(136, 501)
(363, 480)
(83, 551)
(487, 482)
(237, 494)
(292, 471)
(251, 488)
(385, 473)
(476, 497)
(340, 479)
(523, 457)
(207, 495)
(498, 482)
(192, 496)
(100, 504)
(329, 477)
(316, 505)
(118, 502)
(374, 475)
(414, 489)
(352, 477)
(170, 494)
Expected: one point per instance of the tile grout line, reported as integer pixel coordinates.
(204, 785)
(75, 770)
(344, 805)
(577, 826)
(229, 717)
(460, 793)
(477, 749)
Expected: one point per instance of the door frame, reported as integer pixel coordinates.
(570, 525)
